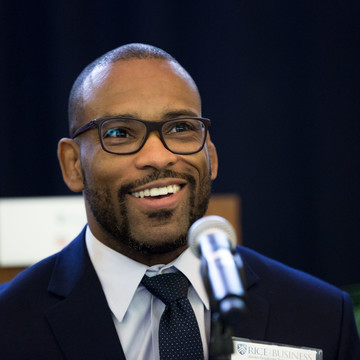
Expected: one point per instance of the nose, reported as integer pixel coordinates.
(154, 154)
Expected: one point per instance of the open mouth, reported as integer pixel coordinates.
(157, 191)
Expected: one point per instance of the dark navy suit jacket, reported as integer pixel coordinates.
(56, 309)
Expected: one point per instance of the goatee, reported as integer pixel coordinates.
(119, 231)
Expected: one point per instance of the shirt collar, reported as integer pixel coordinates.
(120, 276)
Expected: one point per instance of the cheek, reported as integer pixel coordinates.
(99, 169)
(202, 164)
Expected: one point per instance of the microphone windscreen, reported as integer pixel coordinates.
(209, 225)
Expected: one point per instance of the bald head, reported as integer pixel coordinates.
(123, 53)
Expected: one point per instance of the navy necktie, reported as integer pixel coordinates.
(179, 335)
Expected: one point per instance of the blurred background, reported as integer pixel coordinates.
(279, 79)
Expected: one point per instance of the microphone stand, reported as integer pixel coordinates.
(221, 346)
(224, 315)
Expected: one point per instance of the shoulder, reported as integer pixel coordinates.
(293, 295)
(33, 282)
(31, 277)
(23, 302)
(272, 273)
(302, 308)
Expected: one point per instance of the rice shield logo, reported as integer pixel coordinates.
(241, 349)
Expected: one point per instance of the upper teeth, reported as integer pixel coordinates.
(171, 189)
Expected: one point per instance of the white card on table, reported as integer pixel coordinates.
(247, 349)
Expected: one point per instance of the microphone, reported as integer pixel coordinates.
(211, 239)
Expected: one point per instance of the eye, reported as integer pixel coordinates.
(116, 133)
(181, 126)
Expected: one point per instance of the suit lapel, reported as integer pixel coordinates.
(255, 322)
(81, 320)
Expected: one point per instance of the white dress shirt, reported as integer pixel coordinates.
(136, 312)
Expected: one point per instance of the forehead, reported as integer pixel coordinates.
(144, 86)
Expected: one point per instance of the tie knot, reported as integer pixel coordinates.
(167, 287)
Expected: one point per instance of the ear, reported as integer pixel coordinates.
(212, 157)
(69, 158)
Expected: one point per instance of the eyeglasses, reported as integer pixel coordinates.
(121, 135)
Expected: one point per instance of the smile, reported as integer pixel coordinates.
(157, 191)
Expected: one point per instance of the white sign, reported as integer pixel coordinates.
(34, 228)
(246, 349)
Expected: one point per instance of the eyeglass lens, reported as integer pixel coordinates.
(123, 136)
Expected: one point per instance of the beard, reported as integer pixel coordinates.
(118, 227)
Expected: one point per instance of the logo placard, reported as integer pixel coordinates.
(247, 349)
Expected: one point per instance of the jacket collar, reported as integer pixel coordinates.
(81, 320)
(83, 333)
(253, 325)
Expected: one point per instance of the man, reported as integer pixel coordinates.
(141, 154)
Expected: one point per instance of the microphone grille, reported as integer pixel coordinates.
(209, 224)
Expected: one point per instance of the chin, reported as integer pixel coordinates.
(153, 246)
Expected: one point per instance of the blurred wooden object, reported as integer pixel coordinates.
(6, 274)
(225, 205)
(229, 207)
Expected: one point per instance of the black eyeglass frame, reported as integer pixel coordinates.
(150, 127)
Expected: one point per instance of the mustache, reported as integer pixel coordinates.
(155, 175)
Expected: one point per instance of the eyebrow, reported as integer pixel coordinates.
(165, 116)
(179, 113)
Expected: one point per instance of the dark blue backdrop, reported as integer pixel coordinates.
(279, 79)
